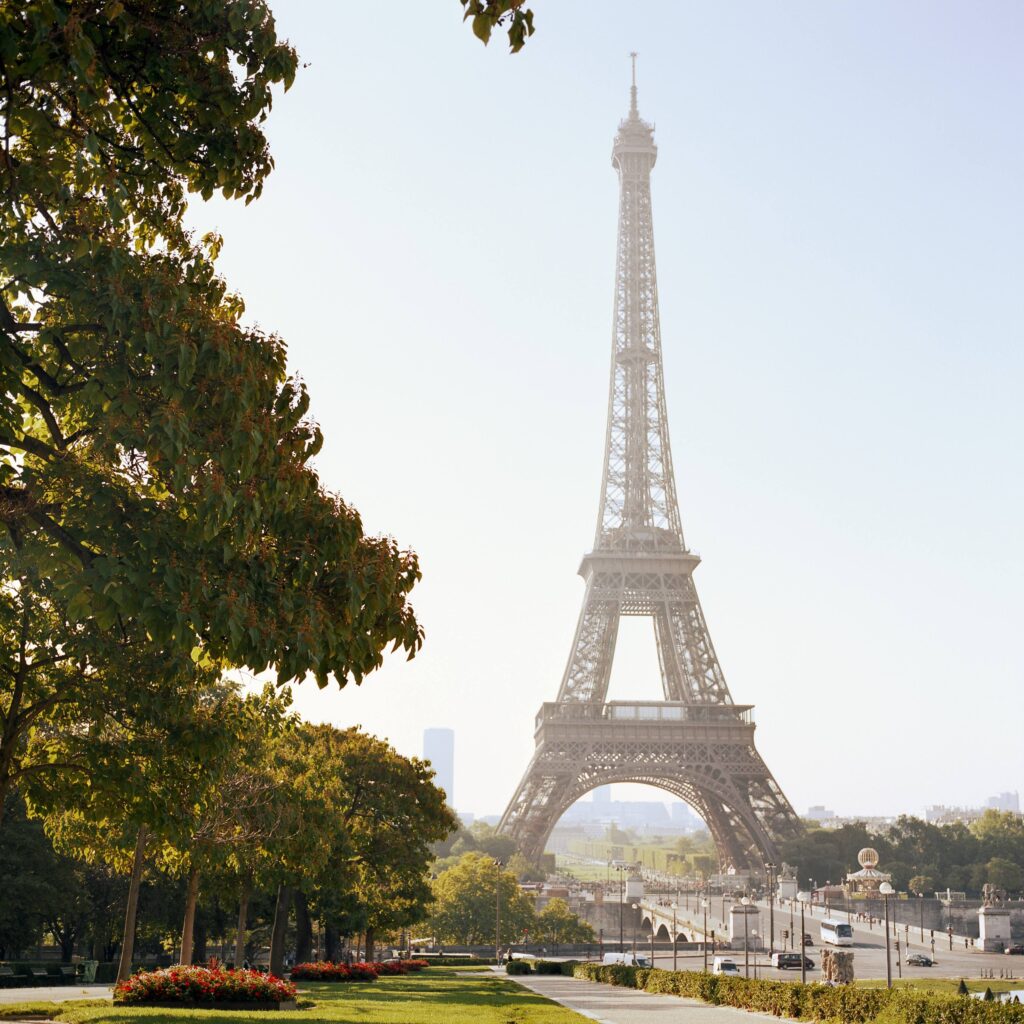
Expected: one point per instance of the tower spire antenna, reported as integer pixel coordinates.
(632, 92)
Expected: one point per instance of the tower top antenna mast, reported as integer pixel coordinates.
(632, 92)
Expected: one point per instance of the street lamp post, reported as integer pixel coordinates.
(497, 911)
(622, 899)
(675, 941)
(771, 908)
(635, 906)
(745, 902)
(792, 928)
(704, 906)
(920, 903)
(803, 956)
(886, 890)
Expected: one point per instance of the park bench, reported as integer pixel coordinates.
(68, 973)
(40, 976)
(7, 977)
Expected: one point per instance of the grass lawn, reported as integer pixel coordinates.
(948, 985)
(436, 996)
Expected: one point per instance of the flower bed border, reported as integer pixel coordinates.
(181, 1004)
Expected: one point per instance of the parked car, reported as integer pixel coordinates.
(723, 965)
(1017, 950)
(784, 961)
(919, 960)
(808, 941)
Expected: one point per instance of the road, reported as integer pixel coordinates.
(868, 948)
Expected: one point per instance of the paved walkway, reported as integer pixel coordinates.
(54, 994)
(610, 1004)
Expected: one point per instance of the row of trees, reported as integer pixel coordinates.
(922, 857)
(333, 824)
(471, 893)
(160, 520)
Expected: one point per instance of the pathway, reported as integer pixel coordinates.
(54, 994)
(609, 1004)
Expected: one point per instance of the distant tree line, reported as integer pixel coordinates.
(922, 857)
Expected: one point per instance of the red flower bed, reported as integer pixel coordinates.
(203, 985)
(325, 970)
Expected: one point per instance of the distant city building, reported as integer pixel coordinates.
(820, 813)
(439, 750)
(1004, 802)
(644, 817)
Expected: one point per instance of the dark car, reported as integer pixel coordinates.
(786, 961)
(919, 960)
(1017, 950)
(808, 941)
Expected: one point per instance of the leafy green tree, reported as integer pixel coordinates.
(510, 15)
(1004, 874)
(28, 879)
(154, 453)
(465, 903)
(558, 925)
(524, 870)
(920, 885)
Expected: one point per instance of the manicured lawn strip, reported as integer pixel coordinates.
(434, 997)
(948, 986)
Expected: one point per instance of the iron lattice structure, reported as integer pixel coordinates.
(696, 744)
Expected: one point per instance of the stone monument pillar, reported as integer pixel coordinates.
(737, 913)
(993, 922)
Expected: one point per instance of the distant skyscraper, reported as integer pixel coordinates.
(1005, 802)
(439, 750)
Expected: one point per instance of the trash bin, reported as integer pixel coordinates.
(89, 971)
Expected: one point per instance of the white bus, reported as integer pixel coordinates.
(836, 932)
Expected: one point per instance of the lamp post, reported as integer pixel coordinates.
(497, 911)
(920, 903)
(704, 907)
(675, 941)
(745, 902)
(622, 899)
(771, 908)
(886, 890)
(753, 935)
(635, 906)
(803, 956)
(792, 928)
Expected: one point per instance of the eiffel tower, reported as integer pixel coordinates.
(696, 744)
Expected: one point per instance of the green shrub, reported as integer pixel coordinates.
(547, 967)
(517, 967)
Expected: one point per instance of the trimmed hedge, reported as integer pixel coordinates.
(809, 1002)
(518, 967)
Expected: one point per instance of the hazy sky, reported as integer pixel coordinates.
(839, 220)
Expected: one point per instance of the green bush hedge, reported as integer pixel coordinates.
(810, 1002)
(518, 967)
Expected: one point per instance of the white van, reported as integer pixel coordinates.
(724, 965)
(627, 958)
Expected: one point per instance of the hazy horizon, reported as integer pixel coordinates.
(840, 238)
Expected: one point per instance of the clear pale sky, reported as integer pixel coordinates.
(839, 220)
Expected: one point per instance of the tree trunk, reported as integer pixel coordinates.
(191, 897)
(278, 934)
(199, 940)
(124, 968)
(330, 944)
(243, 920)
(303, 929)
(369, 946)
